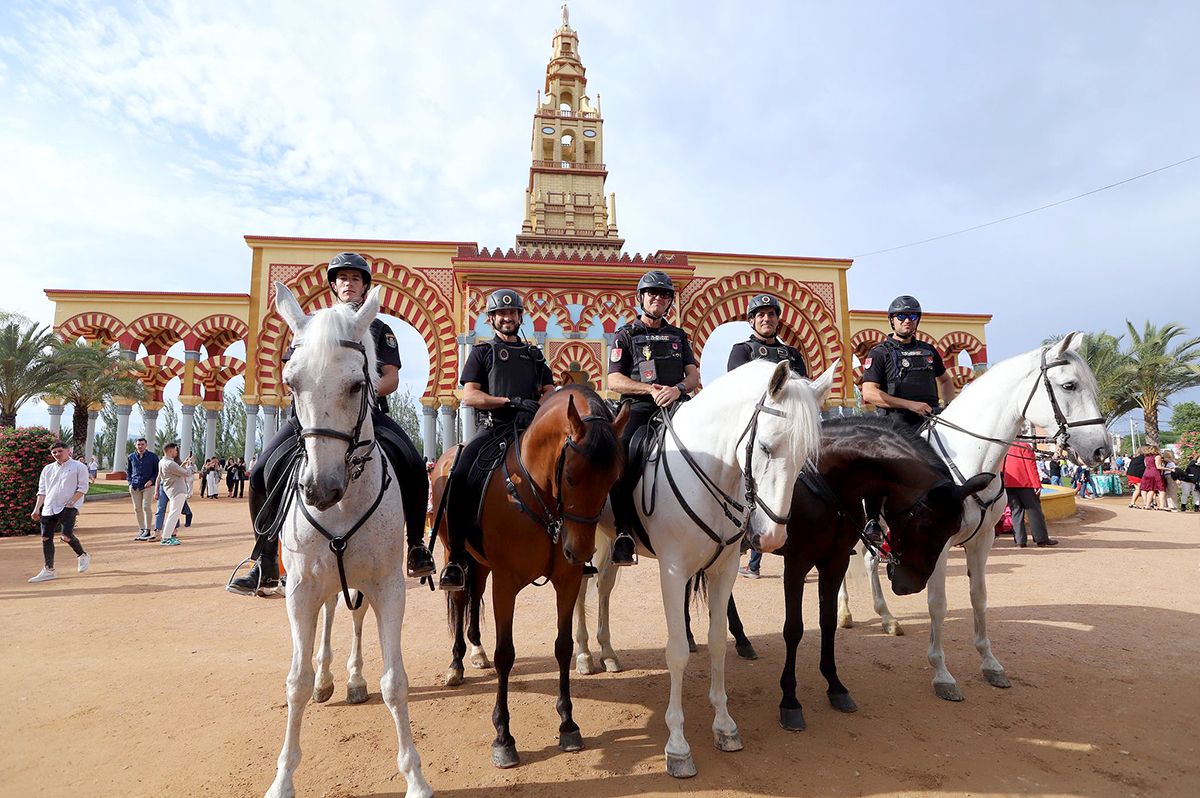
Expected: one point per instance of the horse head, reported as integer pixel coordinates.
(331, 374)
(782, 435)
(573, 448)
(1064, 399)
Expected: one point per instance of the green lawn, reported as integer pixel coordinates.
(101, 488)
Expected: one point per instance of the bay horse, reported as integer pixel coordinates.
(1052, 388)
(342, 521)
(746, 435)
(537, 521)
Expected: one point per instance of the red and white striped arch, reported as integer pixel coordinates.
(158, 370)
(214, 373)
(610, 306)
(584, 354)
(958, 341)
(158, 331)
(92, 326)
(218, 331)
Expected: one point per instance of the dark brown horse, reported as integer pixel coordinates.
(538, 521)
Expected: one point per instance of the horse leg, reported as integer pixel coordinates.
(720, 582)
(890, 625)
(504, 598)
(456, 607)
(977, 556)
(479, 657)
(791, 713)
(323, 686)
(679, 754)
(741, 643)
(388, 601)
(687, 615)
(303, 603)
(845, 619)
(584, 664)
(356, 685)
(829, 577)
(944, 685)
(569, 738)
(606, 580)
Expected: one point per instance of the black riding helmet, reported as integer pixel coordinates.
(656, 281)
(349, 260)
(504, 299)
(904, 304)
(760, 302)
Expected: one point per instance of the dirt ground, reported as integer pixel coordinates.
(144, 677)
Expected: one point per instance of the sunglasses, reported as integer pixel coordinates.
(907, 316)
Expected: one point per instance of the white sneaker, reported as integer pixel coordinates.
(44, 575)
(85, 560)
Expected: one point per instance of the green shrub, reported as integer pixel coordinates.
(23, 453)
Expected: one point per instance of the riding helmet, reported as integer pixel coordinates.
(656, 280)
(762, 301)
(904, 304)
(504, 299)
(349, 260)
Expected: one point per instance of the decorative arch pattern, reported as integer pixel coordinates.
(864, 341)
(610, 306)
(581, 353)
(808, 324)
(158, 331)
(93, 326)
(959, 341)
(214, 373)
(541, 305)
(218, 331)
(157, 371)
(961, 375)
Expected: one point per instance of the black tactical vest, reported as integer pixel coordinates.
(909, 369)
(657, 356)
(515, 371)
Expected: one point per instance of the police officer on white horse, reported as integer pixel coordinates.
(652, 366)
(763, 313)
(503, 380)
(349, 277)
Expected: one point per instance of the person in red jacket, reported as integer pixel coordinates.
(1023, 484)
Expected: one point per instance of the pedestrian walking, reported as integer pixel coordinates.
(177, 482)
(1023, 486)
(141, 472)
(61, 488)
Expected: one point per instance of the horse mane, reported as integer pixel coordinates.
(323, 335)
(1029, 361)
(744, 391)
(600, 446)
(879, 435)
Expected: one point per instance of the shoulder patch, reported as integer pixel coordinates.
(390, 340)
(867, 363)
(615, 355)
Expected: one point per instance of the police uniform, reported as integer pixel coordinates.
(755, 348)
(905, 371)
(502, 368)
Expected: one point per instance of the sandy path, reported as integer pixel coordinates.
(143, 677)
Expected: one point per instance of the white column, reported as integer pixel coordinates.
(121, 445)
(150, 426)
(210, 433)
(185, 437)
(90, 443)
(251, 431)
(56, 412)
(448, 430)
(428, 432)
(270, 422)
(468, 422)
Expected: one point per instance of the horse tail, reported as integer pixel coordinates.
(698, 585)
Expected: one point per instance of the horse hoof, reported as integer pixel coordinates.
(842, 702)
(746, 651)
(356, 694)
(505, 756)
(480, 661)
(681, 767)
(570, 741)
(792, 718)
(454, 677)
(728, 742)
(611, 665)
(948, 691)
(692, 647)
(323, 694)
(845, 622)
(584, 665)
(997, 679)
(894, 629)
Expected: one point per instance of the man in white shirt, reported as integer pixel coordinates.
(61, 489)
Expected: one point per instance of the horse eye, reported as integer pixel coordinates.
(764, 449)
(1068, 386)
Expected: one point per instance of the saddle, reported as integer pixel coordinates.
(645, 447)
(467, 485)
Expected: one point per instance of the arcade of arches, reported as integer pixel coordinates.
(569, 264)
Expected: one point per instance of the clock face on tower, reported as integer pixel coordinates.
(549, 131)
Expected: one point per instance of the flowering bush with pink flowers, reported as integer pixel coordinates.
(23, 452)
(1189, 446)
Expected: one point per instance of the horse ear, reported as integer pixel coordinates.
(1069, 343)
(621, 420)
(366, 314)
(779, 379)
(824, 384)
(975, 484)
(289, 308)
(578, 428)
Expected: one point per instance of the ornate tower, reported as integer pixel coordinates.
(565, 206)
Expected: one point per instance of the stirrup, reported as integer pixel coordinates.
(632, 551)
(233, 577)
(422, 564)
(447, 581)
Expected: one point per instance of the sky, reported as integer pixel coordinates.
(140, 142)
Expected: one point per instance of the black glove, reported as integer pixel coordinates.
(524, 405)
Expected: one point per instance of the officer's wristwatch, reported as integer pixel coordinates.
(679, 386)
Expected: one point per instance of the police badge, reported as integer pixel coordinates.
(646, 352)
(504, 352)
(762, 351)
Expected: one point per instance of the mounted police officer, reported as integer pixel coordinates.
(903, 375)
(349, 277)
(763, 314)
(652, 366)
(503, 380)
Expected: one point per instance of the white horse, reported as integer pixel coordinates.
(1051, 387)
(344, 489)
(748, 432)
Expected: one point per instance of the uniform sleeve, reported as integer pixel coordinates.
(798, 364)
(874, 367)
(387, 351)
(939, 368)
(476, 368)
(738, 356)
(620, 359)
(689, 358)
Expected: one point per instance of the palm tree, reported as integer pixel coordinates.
(1158, 369)
(96, 371)
(28, 365)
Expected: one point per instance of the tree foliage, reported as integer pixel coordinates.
(29, 364)
(23, 454)
(1163, 360)
(1185, 417)
(405, 411)
(94, 372)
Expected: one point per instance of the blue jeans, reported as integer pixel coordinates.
(755, 560)
(1056, 480)
(162, 511)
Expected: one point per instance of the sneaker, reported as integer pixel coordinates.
(746, 572)
(144, 535)
(44, 575)
(171, 541)
(85, 560)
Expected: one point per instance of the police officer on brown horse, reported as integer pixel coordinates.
(652, 366)
(764, 313)
(503, 380)
(349, 277)
(903, 375)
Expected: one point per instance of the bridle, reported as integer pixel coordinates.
(354, 442)
(728, 504)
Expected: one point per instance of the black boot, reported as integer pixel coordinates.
(420, 561)
(454, 577)
(623, 549)
(262, 579)
(873, 532)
